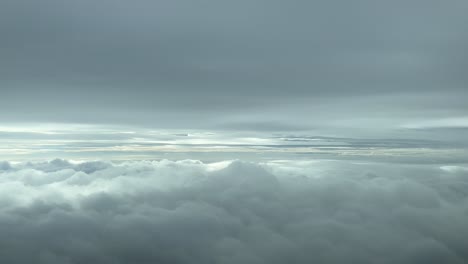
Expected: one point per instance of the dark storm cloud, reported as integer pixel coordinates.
(135, 61)
(190, 212)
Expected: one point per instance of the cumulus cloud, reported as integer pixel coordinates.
(232, 212)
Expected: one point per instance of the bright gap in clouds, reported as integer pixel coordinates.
(106, 142)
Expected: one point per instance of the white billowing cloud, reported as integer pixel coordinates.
(232, 212)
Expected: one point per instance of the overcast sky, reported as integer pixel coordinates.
(332, 68)
(241, 131)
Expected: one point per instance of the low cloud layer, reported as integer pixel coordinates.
(232, 212)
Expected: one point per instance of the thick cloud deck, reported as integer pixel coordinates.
(231, 212)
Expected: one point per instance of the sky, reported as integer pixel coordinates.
(358, 69)
(225, 132)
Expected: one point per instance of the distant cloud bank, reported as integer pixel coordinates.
(29, 142)
(232, 212)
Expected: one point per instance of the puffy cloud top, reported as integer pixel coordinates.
(232, 212)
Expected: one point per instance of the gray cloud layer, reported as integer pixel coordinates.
(190, 212)
(213, 63)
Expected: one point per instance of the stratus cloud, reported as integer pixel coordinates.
(191, 212)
